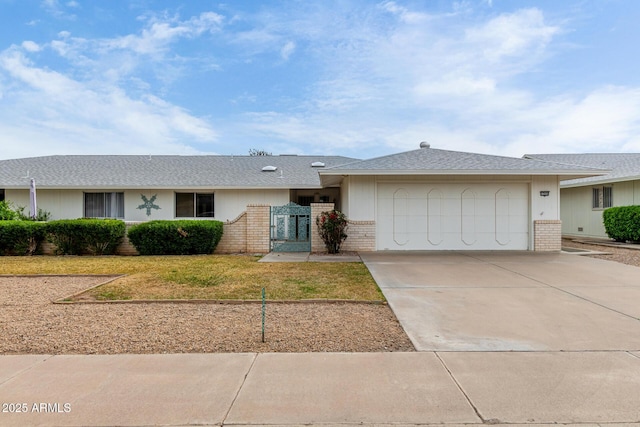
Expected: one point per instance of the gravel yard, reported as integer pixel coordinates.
(617, 254)
(31, 323)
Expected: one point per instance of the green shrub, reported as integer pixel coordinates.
(622, 223)
(103, 235)
(21, 237)
(332, 226)
(7, 212)
(182, 237)
(79, 236)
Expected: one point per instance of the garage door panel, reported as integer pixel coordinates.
(518, 224)
(485, 223)
(420, 216)
(519, 207)
(451, 207)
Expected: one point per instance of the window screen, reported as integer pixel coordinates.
(104, 205)
(607, 197)
(194, 205)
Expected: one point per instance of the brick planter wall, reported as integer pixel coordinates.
(361, 236)
(317, 245)
(547, 235)
(125, 247)
(258, 229)
(234, 236)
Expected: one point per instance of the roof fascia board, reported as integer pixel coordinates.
(600, 181)
(573, 173)
(126, 188)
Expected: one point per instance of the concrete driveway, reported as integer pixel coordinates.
(510, 301)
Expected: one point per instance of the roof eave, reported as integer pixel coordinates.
(599, 181)
(158, 188)
(572, 173)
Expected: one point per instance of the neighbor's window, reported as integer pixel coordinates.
(602, 197)
(1, 195)
(194, 205)
(104, 205)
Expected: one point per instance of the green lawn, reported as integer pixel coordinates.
(215, 277)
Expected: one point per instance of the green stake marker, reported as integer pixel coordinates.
(263, 312)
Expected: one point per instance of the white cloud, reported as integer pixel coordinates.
(404, 14)
(58, 11)
(160, 32)
(287, 50)
(511, 35)
(606, 119)
(59, 114)
(448, 79)
(30, 46)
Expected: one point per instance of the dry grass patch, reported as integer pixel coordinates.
(216, 277)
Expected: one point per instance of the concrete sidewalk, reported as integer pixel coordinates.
(309, 257)
(321, 389)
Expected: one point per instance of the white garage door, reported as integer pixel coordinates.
(416, 216)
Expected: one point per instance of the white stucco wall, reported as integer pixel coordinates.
(545, 208)
(61, 203)
(578, 216)
(68, 204)
(359, 198)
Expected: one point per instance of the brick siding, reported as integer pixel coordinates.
(361, 236)
(234, 236)
(258, 229)
(317, 244)
(547, 235)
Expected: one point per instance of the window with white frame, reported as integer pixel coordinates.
(601, 197)
(194, 205)
(104, 205)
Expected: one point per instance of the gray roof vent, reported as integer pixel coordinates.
(269, 169)
(317, 165)
(425, 144)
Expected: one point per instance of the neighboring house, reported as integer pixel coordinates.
(425, 199)
(583, 200)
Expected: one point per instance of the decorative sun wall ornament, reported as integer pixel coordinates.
(148, 203)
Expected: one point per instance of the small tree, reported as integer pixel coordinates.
(256, 152)
(332, 226)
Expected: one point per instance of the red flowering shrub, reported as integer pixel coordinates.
(332, 226)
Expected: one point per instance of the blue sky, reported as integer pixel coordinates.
(351, 77)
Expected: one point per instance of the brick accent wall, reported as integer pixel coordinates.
(317, 245)
(125, 247)
(258, 229)
(234, 237)
(547, 235)
(361, 236)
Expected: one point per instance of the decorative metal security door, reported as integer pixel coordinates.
(290, 227)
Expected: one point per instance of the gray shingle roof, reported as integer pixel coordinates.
(622, 166)
(165, 172)
(435, 161)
